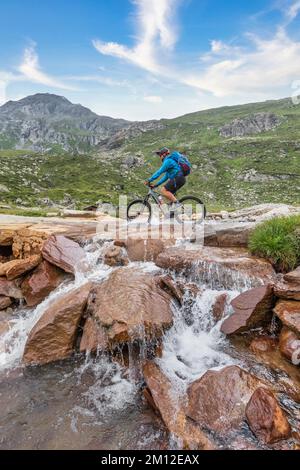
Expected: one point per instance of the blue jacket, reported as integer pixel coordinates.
(170, 168)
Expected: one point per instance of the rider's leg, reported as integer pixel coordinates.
(168, 195)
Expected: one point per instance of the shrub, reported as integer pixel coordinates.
(278, 240)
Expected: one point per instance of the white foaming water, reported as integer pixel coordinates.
(194, 344)
(13, 341)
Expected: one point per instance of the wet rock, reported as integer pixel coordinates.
(218, 399)
(16, 268)
(131, 306)
(293, 276)
(224, 267)
(266, 418)
(166, 282)
(160, 395)
(64, 253)
(289, 313)
(115, 256)
(250, 309)
(218, 308)
(145, 249)
(5, 302)
(37, 286)
(289, 343)
(53, 337)
(10, 289)
(94, 337)
(287, 290)
(263, 344)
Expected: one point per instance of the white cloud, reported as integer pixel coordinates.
(267, 66)
(30, 69)
(153, 99)
(293, 10)
(156, 34)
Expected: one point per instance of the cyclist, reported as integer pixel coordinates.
(172, 173)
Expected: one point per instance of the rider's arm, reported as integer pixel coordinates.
(159, 172)
(162, 180)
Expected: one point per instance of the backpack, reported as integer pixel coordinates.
(183, 162)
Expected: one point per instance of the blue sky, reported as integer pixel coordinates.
(144, 59)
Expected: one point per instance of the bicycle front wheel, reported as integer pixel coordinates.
(139, 211)
(192, 210)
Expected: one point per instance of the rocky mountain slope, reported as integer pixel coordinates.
(44, 122)
(241, 155)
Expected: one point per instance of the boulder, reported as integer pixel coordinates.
(115, 256)
(5, 302)
(218, 399)
(6, 237)
(145, 249)
(38, 285)
(28, 242)
(219, 306)
(163, 398)
(263, 344)
(53, 337)
(293, 276)
(131, 306)
(16, 268)
(289, 313)
(220, 267)
(94, 337)
(289, 343)
(265, 417)
(287, 290)
(10, 289)
(250, 309)
(228, 234)
(64, 253)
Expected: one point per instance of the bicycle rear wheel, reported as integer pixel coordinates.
(192, 210)
(139, 211)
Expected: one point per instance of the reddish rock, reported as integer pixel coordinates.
(289, 313)
(228, 266)
(166, 282)
(219, 306)
(10, 289)
(161, 396)
(64, 253)
(94, 337)
(293, 276)
(53, 337)
(289, 343)
(250, 309)
(263, 344)
(218, 399)
(16, 268)
(5, 302)
(115, 256)
(266, 418)
(41, 283)
(131, 305)
(287, 290)
(146, 249)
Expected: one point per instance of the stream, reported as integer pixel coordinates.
(95, 403)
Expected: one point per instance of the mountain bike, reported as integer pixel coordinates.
(191, 209)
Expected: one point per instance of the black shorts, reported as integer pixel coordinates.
(175, 184)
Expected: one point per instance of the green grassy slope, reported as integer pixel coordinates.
(221, 166)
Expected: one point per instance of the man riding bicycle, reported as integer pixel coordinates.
(175, 172)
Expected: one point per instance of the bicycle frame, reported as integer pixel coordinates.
(155, 196)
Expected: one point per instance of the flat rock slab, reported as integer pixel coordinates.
(230, 267)
(64, 253)
(16, 268)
